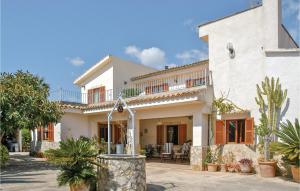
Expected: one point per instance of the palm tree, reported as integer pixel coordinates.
(76, 159)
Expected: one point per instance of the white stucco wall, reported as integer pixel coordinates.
(112, 73)
(251, 33)
(74, 125)
(237, 76)
(124, 70)
(57, 132)
(285, 64)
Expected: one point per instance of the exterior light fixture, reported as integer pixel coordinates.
(231, 50)
(120, 108)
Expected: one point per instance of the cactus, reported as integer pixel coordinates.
(270, 98)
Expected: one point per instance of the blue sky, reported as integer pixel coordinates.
(60, 39)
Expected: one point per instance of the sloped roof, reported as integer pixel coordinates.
(212, 21)
(91, 70)
(170, 70)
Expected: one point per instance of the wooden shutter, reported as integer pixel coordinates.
(188, 83)
(148, 90)
(182, 133)
(160, 134)
(117, 134)
(249, 131)
(51, 132)
(90, 96)
(220, 133)
(165, 87)
(102, 94)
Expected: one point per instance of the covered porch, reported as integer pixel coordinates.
(167, 138)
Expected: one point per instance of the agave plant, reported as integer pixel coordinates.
(289, 145)
(75, 158)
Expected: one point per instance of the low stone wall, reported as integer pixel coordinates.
(240, 151)
(42, 146)
(122, 172)
(197, 157)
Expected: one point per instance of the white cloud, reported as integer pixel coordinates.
(76, 61)
(192, 55)
(189, 23)
(153, 56)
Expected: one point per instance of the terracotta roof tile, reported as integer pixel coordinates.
(170, 70)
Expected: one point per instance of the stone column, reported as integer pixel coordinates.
(199, 147)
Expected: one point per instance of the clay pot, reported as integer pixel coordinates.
(245, 168)
(267, 168)
(296, 173)
(223, 168)
(212, 167)
(80, 187)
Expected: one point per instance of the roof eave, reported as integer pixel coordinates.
(90, 71)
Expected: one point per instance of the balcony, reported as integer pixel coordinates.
(141, 87)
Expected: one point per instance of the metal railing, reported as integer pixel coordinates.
(137, 88)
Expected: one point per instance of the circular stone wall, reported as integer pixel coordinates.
(122, 172)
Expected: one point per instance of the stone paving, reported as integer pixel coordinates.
(25, 173)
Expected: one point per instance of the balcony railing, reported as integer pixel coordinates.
(137, 88)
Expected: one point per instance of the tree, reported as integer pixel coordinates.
(24, 102)
(270, 98)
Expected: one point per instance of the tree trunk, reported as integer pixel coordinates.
(266, 148)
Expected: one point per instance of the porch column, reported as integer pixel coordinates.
(20, 140)
(199, 147)
(137, 136)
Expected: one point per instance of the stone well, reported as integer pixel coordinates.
(122, 172)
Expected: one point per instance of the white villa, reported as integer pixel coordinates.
(175, 104)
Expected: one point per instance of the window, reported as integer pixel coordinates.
(234, 131)
(116, 133)
(102, 133)
(172, 134)
(157, 89)
(96, 95)
(46, 133)
(194, 82)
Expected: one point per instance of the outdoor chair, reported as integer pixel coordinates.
(167, 152)
(149, 151)
(184, 152)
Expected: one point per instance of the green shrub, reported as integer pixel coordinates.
(289, 141)
(4, 154)
(131, 92)
(75, 158)
(26, 139)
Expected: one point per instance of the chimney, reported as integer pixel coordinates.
(271, 18)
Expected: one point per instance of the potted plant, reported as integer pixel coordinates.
(211, 161)
(223, 165)
(288, 146)
(76, 160)
(245, 165)
(270, 98)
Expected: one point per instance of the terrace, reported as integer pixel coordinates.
(174, 82)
